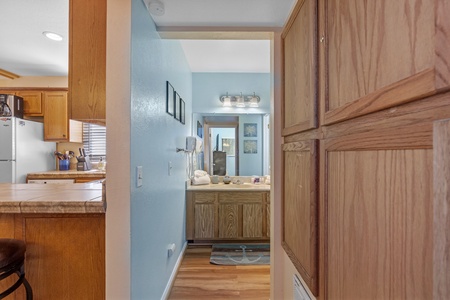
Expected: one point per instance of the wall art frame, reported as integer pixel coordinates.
(170, 99)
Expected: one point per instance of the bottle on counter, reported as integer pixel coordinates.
(101, 164)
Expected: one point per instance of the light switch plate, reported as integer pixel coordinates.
(139, 176)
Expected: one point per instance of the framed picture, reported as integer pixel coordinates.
(170, 100)
(250, 130)
(199, 130)
(182, 112)
(228, 146)
(250, 147)
(177, 113)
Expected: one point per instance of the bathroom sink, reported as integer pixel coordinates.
(242, 185)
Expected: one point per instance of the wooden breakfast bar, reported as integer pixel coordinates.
(63, 226)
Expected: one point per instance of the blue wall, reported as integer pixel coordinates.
(206, 91)
(250, 163)
(158, 207)
(208, 87)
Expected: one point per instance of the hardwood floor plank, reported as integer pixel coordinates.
(198, 279)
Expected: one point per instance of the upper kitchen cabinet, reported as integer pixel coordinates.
(379, 54)
(87, 61)
(56, 123)
(33, 104)
(300, 69)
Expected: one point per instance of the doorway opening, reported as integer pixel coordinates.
(222, 145)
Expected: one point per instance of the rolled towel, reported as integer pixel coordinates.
(200, 180)
(200, 173)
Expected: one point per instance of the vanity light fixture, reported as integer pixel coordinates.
(226, 101)
(254, 100)
(240, 101)
(53, 36)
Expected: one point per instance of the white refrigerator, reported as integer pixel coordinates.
(23, 150)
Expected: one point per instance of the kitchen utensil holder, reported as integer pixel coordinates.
(64, 164)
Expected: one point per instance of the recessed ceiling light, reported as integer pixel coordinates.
(53, 36)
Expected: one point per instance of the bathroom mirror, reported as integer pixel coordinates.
(233, 144)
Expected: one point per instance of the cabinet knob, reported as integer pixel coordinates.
(322, 39)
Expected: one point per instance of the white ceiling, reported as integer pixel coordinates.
(247, 56)
(26, 52)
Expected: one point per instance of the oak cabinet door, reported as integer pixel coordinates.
(229, 220)
(33, 104)
(87, 60)
(300, 69)
(300, 209)
(56, 122)
(379, 223)
(204, 215)
(379, 54)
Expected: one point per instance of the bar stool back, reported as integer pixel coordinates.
(12, 258)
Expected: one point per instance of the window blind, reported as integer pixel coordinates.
(94, 141)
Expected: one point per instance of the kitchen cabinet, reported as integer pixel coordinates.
(87, 61)
(57, 126)
(75, 176)
(383, 79)
(300, 65)
(215, 216)
(56, 122)
(65, 256)
(33, 103)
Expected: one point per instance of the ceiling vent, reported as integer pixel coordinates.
(155, 7)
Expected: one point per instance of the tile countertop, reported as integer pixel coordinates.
(245, 187)
(53, 198)
(68, 174)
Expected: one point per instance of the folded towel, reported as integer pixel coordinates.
(200, 173)
(200, 180)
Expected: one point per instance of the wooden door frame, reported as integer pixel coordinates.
(207, 141)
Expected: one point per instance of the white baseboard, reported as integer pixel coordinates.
(169, 285)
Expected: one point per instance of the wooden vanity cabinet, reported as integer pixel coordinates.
(215, 216)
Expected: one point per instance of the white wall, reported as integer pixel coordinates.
(118, 226)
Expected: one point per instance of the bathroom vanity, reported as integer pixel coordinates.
(228, 212)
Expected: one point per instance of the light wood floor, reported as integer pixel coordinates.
(198, 279)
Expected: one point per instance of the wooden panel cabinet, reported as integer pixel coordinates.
(65, 256)
(379, 224)
(56, 122)
(300, 64)
(204, 217)
(87, 61)
(380, 54)
(300, 214)
(227, 216)
(33, 103)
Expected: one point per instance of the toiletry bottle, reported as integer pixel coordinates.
(101, 164)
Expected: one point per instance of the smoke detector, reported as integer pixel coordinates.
(155, 7)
